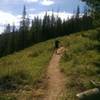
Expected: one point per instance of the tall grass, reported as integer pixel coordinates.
(81, 62)
(23, 72)
(24, 69)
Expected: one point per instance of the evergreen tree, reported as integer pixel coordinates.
(78, 12)
(46, 27)
(36, 30)
(52, 25)
(7, 29)
(58, 27)
(24, 30)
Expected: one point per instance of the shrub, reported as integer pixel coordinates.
(7, 98)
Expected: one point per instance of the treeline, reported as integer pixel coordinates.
(37, 30)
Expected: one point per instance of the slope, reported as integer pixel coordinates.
(81, 62)
(23, 74)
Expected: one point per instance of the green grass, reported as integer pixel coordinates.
(81, 62)
(24, 71)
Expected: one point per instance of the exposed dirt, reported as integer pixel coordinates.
(56, 80)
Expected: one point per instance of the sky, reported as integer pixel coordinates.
(11, 10)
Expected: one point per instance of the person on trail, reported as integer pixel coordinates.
(56, 45)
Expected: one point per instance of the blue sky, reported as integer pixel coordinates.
(11, 10)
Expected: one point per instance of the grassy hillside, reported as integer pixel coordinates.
(81, 62)
(23, 71)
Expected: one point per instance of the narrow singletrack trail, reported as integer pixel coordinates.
(56, 80)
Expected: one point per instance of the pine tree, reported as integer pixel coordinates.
(7, 29)
(24, 30)
(78, 12)
(46, 27)
(52, 25)
(58, 27)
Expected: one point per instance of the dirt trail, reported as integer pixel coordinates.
(56, 80)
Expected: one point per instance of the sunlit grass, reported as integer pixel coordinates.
(81, 62)
(24, 69)
(23, 72)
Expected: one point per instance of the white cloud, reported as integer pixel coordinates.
(63, 15)
(1, 29)
(47, 2)
(8, 18)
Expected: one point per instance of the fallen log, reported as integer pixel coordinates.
(92, 94)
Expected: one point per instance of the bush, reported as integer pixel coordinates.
(93, 35)
(67, 56)
(12, 82)
(7, 98)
